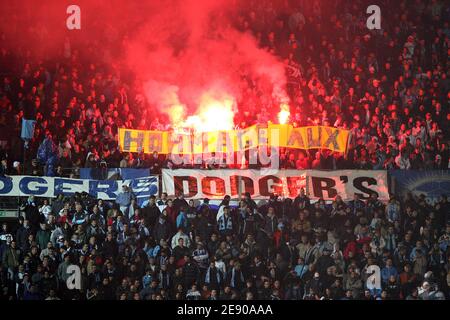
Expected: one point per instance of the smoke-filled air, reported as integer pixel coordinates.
(187, 58)
(195, 66)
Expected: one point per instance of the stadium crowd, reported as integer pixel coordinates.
(389, 87)
(278, 249)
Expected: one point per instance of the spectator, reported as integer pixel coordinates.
(390, 90)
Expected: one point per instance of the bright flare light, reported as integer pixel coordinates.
(176, 113)
(212, 115)
(283, 115)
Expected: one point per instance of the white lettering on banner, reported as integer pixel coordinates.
(52, 186)
(215, 184)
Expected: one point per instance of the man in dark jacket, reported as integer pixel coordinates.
(324, 262)
(22, 233)
(200, 226)
(179, 202)
(302, 201)
(235, 277)
(10, 258)
(32, 214)
(250, 202)
(162, 229)
(43, 236)
(110, 248)
(271, 222)
(180, 250)
(294, 291)
(274, 204)
(155, 164)
(3, 168)
(150, 213)
(191, 272)
(213, 277)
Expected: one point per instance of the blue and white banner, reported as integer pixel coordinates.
(431, 183)
(52, 186)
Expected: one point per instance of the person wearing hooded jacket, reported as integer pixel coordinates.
(22, 233)
(162, 229)
(151, 212)
(32, 214)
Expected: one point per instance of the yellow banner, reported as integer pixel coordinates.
(275, 135)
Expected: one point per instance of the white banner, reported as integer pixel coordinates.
(215, 184)
(52, 186)
(329, 184)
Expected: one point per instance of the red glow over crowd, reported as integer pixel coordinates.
(304, 63)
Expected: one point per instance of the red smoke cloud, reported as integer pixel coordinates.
(189, 57)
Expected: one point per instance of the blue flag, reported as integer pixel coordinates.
(27, 129)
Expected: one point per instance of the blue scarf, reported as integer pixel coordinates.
(233, 277)
(208, 276)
